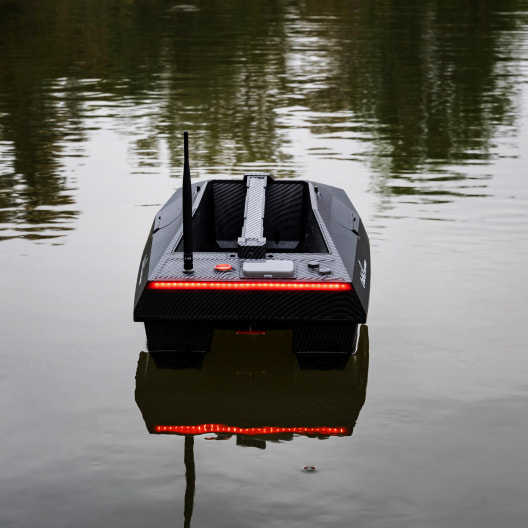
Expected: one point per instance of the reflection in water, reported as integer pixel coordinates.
(190, 479)
(411, 88)
(254, 389)
(253, 385)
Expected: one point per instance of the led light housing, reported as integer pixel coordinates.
(250, 285)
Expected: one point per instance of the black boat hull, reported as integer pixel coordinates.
(312, 227)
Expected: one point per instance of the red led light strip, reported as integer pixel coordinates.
(249, 285)
(220, 428)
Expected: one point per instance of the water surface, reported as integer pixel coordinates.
(417, 109)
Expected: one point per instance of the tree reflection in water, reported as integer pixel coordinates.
(425, 85)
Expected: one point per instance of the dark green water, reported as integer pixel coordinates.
(418, 109)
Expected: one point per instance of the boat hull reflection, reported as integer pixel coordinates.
(254, 388)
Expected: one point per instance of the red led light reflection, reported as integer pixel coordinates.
(249, 285)
(220, 428)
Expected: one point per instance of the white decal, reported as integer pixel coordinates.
(363, 272)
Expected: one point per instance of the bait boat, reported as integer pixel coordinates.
(253, 255)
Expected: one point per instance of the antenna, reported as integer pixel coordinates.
(187, 209)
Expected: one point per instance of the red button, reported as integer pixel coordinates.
(223, 267)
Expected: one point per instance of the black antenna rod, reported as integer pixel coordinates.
(187, 209)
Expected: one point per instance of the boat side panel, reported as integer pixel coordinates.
(165, 225)
(349, 237)
(143, 271)
(361, 277)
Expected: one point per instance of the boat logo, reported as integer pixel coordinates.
(363, 272)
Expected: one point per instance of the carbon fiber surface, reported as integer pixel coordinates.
(204, 267)
(319, 338)
(250, 306)
(325, 338)
(228, 211)
(283, 217)
(252, 249)
(178, 338)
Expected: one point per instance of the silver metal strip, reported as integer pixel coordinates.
(254, 210)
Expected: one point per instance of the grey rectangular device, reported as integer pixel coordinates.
(268, 269)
